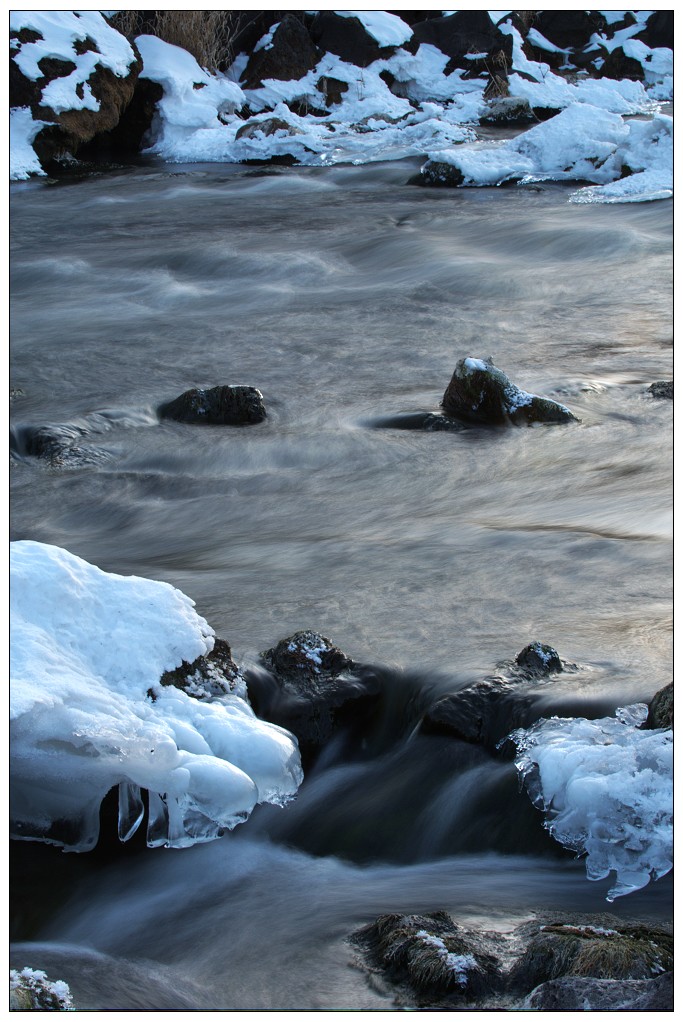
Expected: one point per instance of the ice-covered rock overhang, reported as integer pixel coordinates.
(88, 712)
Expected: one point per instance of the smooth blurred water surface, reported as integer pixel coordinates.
(344, 296)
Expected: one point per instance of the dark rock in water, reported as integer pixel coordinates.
(57, 444)
(663, 388)
(347, 38)
(569, 29)
(219, 406)
(539, 659)
(290, 55)
(208, 677)
(306, 657)
(661, 708)
(267, 126)
(579, 994)
(481, 393)
(128, 136)
(507, 110)
(617, 952)
(437, 174)
(427, 421)
(314, 690)
(440, 961)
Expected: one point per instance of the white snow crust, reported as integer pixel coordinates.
(606, 788)
(88, 712)
(426, 112)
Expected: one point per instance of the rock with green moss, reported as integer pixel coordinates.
(439, 960)
(661, 708)
(481, 393)
(600, 950)
(218, 406)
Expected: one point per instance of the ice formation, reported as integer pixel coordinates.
(606, 788)
(88, 712)
(31, 990)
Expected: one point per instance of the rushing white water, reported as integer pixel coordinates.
(346, 296)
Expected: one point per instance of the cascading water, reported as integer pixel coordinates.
(345, 297)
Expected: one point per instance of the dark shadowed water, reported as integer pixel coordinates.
(345, 296)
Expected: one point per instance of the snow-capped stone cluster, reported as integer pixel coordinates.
(606, 787)
(31, 990)
(320, 88)
(92, 709)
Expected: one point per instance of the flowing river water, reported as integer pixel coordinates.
(345, 296)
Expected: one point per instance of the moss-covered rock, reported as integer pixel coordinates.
(597, 950)
(661, 708)
(432, 955)
(481, 393)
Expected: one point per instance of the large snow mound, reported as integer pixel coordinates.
(606, 788)
(88, 712)
(623, 160)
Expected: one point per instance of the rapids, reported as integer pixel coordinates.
(345, 296)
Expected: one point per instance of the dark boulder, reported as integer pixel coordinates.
(658, 30)
(332, 89)
(466, 33)
(661, 708)
(70, 130)
(208, 677)
(439, 960)
(617, 952)
(219, 406)
(481, 393)
(585, 994)
(290, 55)
(617, 65)
(539, 659)
(347, 38)
(314, 690)
(569, 29)
(129, 136)
(437, 174)
(663, 388)
(426, 421)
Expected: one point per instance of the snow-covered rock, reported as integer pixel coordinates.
(89, 712)
(479, 392)
(31, 990)
(72, 75)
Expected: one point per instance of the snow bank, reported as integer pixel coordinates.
(61, 31)
(582, 143)
(88, 649)
(22, 130)
(607, 790)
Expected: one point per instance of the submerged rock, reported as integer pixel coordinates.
(314, 690)
(663, 388)
(219, 406)
(430, 953)
(661, 708)
(437, 174)
(481, 393)
(209, 677)
(427, 421)
(585, 994)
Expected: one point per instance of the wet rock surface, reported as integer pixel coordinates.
(208, 677)
(663, 388)
(661, 708)
(481, 393)
(582, 962)
(218, 406)
(311, 687)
